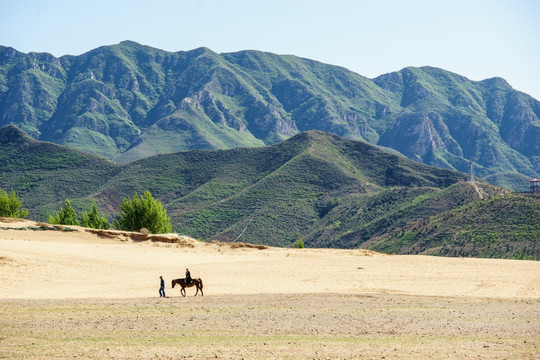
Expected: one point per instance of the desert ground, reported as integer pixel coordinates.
(71, 293)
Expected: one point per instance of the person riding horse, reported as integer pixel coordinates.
(188, 277)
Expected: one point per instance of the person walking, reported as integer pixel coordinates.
(162, 287)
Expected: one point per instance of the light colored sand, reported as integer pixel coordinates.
(57, 265)
(76, 295)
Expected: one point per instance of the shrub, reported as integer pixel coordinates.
(143, 212)
(92, 220)
(66, 216)
(299, 244)
(10, 205)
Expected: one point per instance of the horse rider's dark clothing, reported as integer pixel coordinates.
(162, 288)
(188, 278)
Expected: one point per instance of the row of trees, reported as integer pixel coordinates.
(68, 216)
(134, 214)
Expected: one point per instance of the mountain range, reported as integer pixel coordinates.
(317, 187)
(127, 102)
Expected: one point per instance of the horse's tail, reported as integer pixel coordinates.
(200, 281)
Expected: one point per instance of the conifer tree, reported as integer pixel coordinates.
(10, 205)
(92, 220)
(66, 216)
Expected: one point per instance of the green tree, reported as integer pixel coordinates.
(10, 205)
(66, 216)
(143, 212)
(92, 220)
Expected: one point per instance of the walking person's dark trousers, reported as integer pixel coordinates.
(162, 291)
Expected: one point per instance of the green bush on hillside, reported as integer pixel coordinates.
(10, 205)
(143, 212)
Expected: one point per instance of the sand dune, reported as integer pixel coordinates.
(48, 264)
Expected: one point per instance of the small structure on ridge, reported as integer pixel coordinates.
(534, 185)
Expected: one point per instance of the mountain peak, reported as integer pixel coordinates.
(497, 82)
(10, 134)
(141, 101)
(129, 43)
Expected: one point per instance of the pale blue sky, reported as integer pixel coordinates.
(475, 38)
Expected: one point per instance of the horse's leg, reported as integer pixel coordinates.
(183, 291)
(201, 290)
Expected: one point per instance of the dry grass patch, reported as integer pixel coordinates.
(239, 245)
(310, 326)
(10, 220)
(135, 236)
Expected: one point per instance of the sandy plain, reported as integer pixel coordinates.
(75, 294)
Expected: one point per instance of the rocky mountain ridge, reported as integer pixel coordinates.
(129, 101)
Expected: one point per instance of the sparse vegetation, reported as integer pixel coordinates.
(346, 326)
(499, 227)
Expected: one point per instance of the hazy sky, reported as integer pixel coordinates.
(475, 38)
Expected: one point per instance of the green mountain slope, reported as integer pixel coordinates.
(128, 101)
(46, 174)
(447, 119)
(326, 190)
(505, 226)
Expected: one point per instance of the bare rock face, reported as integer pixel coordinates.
(416, 135)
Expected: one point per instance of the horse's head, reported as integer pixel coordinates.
(173, 283)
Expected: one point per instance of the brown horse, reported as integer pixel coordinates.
(184, 285)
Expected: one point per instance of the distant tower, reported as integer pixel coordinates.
(534, 185)
(471, 177)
